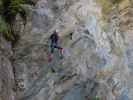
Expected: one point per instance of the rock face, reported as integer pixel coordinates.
(98, 54)
(7, 83)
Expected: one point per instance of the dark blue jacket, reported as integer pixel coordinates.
(54, 38)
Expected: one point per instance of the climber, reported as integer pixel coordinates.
(54, 39)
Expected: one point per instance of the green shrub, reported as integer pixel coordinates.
(15, 6)
(5, 30)
(8, 11)
(0, 2)
(10, 8)
(95, 98)
(3, 25)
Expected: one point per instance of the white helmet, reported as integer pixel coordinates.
(57, 31)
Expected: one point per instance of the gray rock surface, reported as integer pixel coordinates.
(7, 83)
(97, 54)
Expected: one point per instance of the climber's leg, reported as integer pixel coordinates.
(60, 50)
(52, 48)
(50, 54)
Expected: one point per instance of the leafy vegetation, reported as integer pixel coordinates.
(95, 98)
(5, 30)
(8, 11)
(3, 25)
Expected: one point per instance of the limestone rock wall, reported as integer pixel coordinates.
(7, 82)
(97, 53)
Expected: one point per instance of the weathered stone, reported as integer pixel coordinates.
(7, 82)
(97, 55)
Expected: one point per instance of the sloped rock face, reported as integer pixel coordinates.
(7, 82)
(97, 59)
